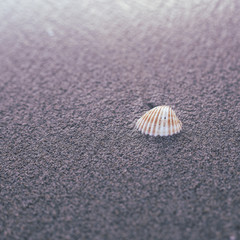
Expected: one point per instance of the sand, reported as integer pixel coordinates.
(74, 78)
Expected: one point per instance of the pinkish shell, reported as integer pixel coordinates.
(159, 121)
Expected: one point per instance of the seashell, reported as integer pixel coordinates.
(159, 121)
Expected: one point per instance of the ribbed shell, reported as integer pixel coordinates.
(159, 121)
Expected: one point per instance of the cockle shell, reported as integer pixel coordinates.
(159, 121)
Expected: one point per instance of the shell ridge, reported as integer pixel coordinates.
(171, 123)
(174, 124)
(159, 121)
(166, 121)
(144, 120)
(145, 129)
(154, 122)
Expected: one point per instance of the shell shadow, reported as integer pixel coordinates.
(151, 105)
(168, 141)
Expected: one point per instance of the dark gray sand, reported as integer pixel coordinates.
(74, 78)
